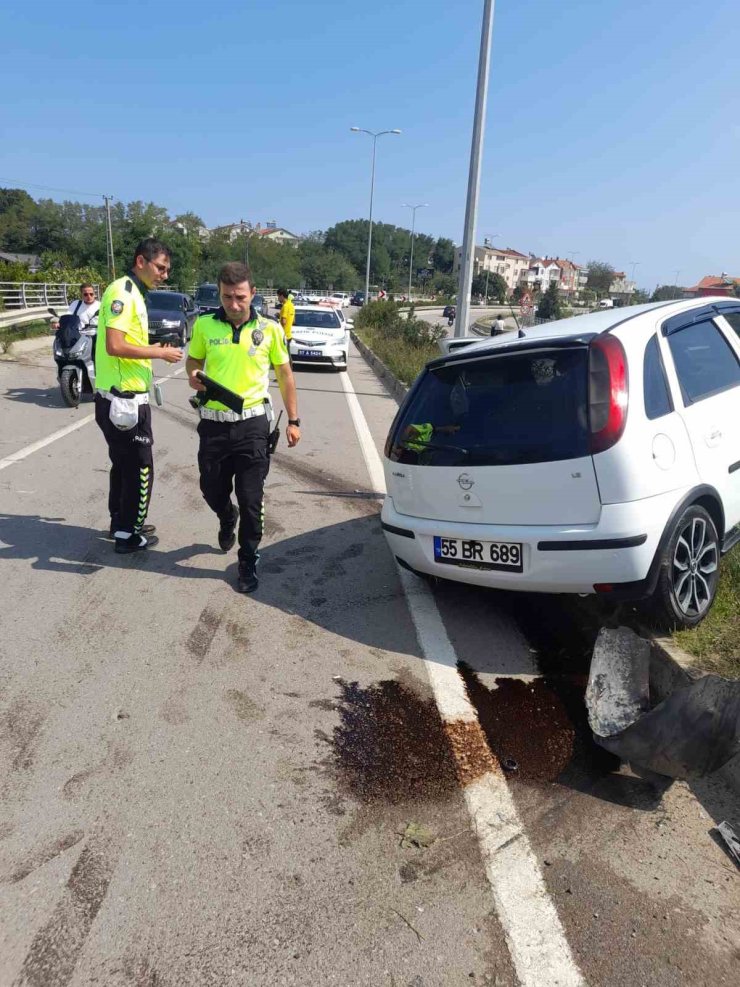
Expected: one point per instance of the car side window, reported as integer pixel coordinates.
(657, 396)
(704, 360)
(734, 319)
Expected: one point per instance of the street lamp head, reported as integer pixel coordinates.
(356, 129)
(394, 131)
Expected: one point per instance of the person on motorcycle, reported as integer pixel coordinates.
(86, 308)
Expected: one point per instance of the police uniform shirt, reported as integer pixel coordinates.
(123, 307)
(287, 317)
(243, 366)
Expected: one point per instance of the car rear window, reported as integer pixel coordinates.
(165, 300)
(317, 320)
(525, 407)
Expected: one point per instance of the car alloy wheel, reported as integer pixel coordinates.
(694, 568)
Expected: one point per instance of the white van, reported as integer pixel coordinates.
(606, 303)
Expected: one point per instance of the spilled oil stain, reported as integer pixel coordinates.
(525, 722)
(391, 745)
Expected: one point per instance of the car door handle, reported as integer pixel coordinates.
(713, 438)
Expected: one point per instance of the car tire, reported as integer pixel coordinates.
(688, 572)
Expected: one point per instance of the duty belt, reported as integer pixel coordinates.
(139, 397)
(212, 415)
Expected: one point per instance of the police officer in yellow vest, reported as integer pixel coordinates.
(236, 348)
(123, 375)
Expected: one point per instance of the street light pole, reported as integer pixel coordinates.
(109, 239)
(374, 135)
(476, 150)
(413, 209)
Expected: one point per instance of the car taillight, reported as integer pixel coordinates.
(608, 392)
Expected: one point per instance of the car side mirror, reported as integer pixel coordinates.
(351, 323)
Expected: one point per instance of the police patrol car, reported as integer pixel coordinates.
(320, 335)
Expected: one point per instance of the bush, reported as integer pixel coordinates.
(404, 343)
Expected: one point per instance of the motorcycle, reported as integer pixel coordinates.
(74, 352)
(451, 313)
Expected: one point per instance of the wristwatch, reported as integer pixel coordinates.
(295, 421)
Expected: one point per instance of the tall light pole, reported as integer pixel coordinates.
(488, 239)
(413, 209)
(675, 282)
(109, 239)
(634, 263)
(476, 150)
(374, 135)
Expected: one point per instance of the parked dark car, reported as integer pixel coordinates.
(260, 305)
(358, 298)
(171, 313)
(207, 298)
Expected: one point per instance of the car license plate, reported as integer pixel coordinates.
(473, 554)
(309, 352)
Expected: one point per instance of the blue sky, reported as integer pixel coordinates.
(613, 130)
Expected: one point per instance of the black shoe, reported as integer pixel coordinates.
(227, 531)
(146, 529)
(135, 543)
(247, 581)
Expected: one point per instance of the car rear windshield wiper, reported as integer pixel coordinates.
(411, 445)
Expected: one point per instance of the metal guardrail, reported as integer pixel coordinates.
(24, 316)
(32, 294)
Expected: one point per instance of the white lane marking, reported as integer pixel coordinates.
(536, 939)
(16, 457)
(161, 380)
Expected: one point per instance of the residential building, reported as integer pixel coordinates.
(233, 230)
(621, 289)
(31, 261)
(509, 263)
(278, 234)
(711, 284)
(571, 281)
(540, 273)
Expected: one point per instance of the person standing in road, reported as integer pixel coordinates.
(123, 359)
(236, 348)
(287, 315)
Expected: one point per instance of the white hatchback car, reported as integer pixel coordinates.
(320, 335)
(599, 454)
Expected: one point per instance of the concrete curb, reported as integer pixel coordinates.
(27, 346)
(386, 376)
(670, 666)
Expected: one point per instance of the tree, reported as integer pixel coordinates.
(639, 297)
(496, 286)
(600, 277)
(666, 293)
(550, 306)
(443, 255)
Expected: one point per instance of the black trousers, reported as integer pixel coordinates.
(234, 456)
(132, 467)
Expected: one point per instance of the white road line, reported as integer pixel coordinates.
(539, 950)
(161, 380)
(16, 457)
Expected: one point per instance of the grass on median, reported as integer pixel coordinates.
(715, 643)
(15, 334)
(404, 344)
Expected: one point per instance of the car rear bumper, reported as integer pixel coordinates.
(334, 356)
(616, 551)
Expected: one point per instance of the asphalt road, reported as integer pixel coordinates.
(205, 789)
